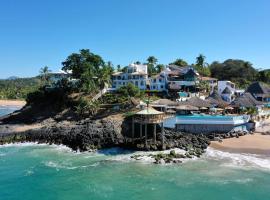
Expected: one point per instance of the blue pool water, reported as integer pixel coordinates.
(214, 117)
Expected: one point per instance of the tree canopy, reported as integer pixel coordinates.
(89, 68)
(18, 88)
(180, 62)
(151, 65)
(238, 71)
(201, 66)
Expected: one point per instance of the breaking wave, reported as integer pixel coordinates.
(238, 159)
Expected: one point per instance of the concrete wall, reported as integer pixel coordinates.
(204, 128)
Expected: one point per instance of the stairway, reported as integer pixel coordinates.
(101, 93)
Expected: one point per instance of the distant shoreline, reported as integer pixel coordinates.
(12, 102)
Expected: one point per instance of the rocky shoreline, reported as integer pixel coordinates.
(89, 135)
(93, 134)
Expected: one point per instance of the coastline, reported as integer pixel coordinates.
(258, 143)
(12, 102)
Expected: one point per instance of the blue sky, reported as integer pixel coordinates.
(35, 33)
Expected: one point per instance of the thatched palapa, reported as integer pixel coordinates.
(246, 100)
(197, 102)
(215, 100)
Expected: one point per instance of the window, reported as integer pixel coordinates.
(142, 83)
(160, 80)
(161, 86)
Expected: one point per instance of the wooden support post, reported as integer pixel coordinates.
(140, 130)
(145, 133)
(155, 133)
(132, 130)
(162, 134)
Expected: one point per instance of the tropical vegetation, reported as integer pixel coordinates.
(18, 88)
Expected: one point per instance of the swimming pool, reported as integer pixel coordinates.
(207, 119)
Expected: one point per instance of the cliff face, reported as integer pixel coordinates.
(89, 134)
(83, 135)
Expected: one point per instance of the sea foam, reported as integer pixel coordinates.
(242, 160)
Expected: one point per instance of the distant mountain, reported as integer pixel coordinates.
(13, 78)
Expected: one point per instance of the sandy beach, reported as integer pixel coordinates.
(258, 143)
(12, 103)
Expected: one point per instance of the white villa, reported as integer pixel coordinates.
(55, 77)
(228, 91)
(172, 79)
(135, 74)
(158, 82)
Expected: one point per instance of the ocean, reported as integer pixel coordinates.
(34, 171)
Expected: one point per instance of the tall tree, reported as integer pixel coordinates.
(118, 68)
(159, 68)
(238, 71)
(89, 68)
(81, 62)
(200, 60)
(151, 63)
(180, 62)
(201, 66)
(44, 74)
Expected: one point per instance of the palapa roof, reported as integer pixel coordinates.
(259, 89)
(186, 107)
(149, 111)
(196, 101)
(165, 102)
(176, 70)
(216, 100)
(246, 100)
(206, 78)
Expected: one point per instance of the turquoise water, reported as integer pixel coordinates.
(31, 171)
(8, 109)
(49, 172)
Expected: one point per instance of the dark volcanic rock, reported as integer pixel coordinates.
(85, 135)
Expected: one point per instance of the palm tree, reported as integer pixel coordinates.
(104, 76)
(151, 62)
(159, 68)
(200, 60)
(44, 74)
